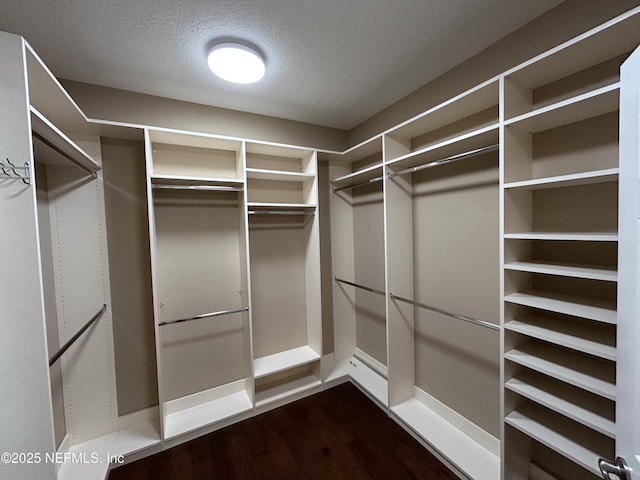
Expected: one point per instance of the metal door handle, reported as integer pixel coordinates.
(620, 469)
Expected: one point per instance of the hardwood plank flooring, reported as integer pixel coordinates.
(336, 434)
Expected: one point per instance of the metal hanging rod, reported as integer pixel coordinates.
(361, 184)
(281, 212)
(218, 188)
(11, 172)
(66, 346)
(64, 154)
(204, 315)
(442, 161)
(447, 312)
(368, 289)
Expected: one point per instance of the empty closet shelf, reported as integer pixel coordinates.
(359, 184)
(214, 188)
(448, 313)
(47, 133)
(279, 207)
(209, 413)
(204, 315)
(281, 212)
(442, 161)
(561, 435)
(592, 309)
(280, 361)
(192, 180)
(73, 339)
(368, 289)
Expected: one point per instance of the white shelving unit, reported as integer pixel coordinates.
(561, 436)
(529, 158)
(443, 161)
(282, 195)
(560, 188)
(357, 225)
(376, 213)
(71, 404)
(197, 218)
(568, 401)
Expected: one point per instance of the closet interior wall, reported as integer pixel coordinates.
(519, 223)
(455, 267)
(130, 267)
(369, 266)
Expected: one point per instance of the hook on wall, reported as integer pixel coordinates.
(15, 172)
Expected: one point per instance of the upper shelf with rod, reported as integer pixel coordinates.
(59, 126)
(469, 117)
(363, 162)
(53, 147)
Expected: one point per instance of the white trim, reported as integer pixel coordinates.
(150, 414)
(205, 396)
(375, 365)
(478, 434)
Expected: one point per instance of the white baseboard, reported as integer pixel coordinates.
(481, 436)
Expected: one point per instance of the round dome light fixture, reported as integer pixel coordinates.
(237, 63)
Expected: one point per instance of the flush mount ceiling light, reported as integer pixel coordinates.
(236, 63)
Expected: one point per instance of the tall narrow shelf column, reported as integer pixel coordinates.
(284, 261)
(560, 191)
(441, 183)
(357, 228)
(200, 282)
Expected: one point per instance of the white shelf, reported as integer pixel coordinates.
(360, 176)
(572, 180)
(475, 100)
(191, 139)
(143, 436)
(462, 451)
(288, 390)
(47, 95)
(595, 376)
(366, 149)
(592, 104)
(278, 362)
(608, 274)
(282, 206)
(560, 435)
(199, 416)
(565, 236)
(565, 400)
(48, 131)
(583, 338)
(483, 137)
(598, 310)
(194, 180)
(278, 150)
(278, 175)
(602, 43)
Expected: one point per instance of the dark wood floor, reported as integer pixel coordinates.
(335, 434)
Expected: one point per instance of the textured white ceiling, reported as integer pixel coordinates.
(329, 62)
